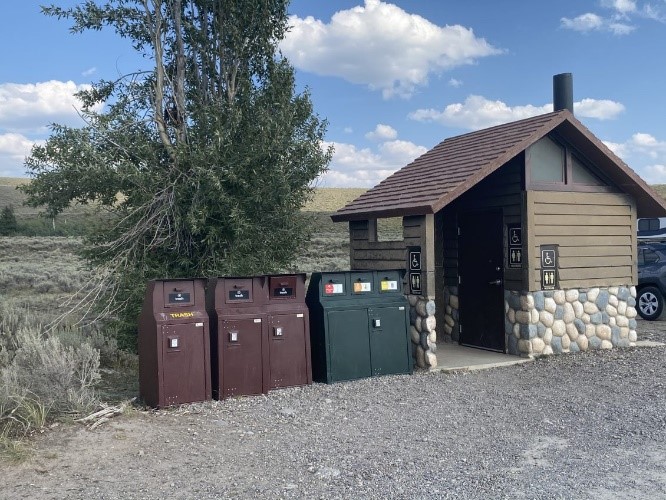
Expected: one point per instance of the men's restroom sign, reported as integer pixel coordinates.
(515, 246)
(414, 256)
(548, 267)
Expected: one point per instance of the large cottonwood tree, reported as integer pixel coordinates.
(203, 161)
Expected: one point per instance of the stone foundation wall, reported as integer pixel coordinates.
(422, 330)
(451, 318)
(557, 321)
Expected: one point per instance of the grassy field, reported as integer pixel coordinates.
(40, 273)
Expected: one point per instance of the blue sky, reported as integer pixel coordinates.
(392, 78)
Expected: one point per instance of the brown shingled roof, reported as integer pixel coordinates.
(439, 176)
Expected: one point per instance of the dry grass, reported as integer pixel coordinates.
(660, 189)
(331, 199)
(39, 274)
(13, 181)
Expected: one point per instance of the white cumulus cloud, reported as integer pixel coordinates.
(381, 46)
(584, 22)
(32, 106)
(621, 6)
(620, 21)
(13, 150)
(477, 112)
(382, 133)
(645, 154)
(655, 174)
(364, 167)
(601, 109)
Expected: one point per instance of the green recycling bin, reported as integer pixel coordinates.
(359, 325)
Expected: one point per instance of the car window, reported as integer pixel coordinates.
(650, 256)
(648, 224)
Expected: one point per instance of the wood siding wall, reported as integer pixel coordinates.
(502, 190)
(596, 234)
(366, 253)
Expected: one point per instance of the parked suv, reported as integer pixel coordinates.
(651, 279)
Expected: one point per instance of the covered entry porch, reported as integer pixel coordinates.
(453, 357)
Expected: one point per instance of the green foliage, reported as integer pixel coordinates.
(8, 223)
(203, 162)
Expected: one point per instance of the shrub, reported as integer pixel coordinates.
(41, 378)
(62, 378)
(8, 224)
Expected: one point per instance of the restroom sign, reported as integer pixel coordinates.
(549, 267)
(415, 283)
(515, 246)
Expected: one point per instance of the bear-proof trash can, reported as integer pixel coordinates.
(239, 351)
(174, 343)
(359, 325)
(288, 334)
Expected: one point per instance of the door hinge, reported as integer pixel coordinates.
(459, 233)
(459, 280)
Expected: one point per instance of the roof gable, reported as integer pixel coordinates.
(448, 170)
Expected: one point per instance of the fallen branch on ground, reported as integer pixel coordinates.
(105, 414)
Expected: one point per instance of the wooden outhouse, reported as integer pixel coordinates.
(519, 238)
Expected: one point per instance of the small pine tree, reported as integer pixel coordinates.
(8, 224)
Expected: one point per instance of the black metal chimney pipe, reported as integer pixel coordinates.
(563, 92)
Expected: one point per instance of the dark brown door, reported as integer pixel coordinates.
(183, 369)
(288, 350)
(481, 291)
(241, 365)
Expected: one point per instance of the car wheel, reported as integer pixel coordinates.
(650, 303)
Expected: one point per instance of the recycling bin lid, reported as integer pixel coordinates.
(285, 286)
(178, 293)
(334, 285)
(362, 283)
(238, 290)
(389, 282)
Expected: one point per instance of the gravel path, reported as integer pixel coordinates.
(588, 425)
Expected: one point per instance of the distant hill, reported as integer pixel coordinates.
(9, 195)
(325, 199)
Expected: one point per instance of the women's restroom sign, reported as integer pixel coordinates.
(415, 270)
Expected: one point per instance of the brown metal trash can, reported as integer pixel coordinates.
(174, 343)
(238, 347)
(288, 332)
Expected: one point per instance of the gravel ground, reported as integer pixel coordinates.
(588, 425)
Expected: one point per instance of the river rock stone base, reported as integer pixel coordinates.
(422, 330)
(451, 322)
(558, 321)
